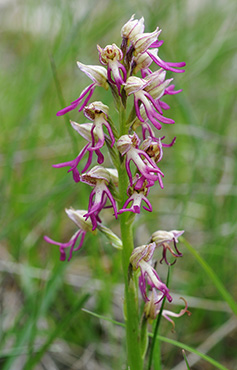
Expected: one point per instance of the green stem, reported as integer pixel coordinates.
(154, 339)
(135, 360)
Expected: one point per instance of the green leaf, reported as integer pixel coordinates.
(185, 359)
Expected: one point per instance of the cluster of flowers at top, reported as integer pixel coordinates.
(118, 72)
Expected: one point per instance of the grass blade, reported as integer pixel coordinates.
(216, 281)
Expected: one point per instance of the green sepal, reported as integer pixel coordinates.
(131, 116)
(113, 127)
(114, 192)
(115, 94)
(111, 236)
(113, 153)
(124, 97)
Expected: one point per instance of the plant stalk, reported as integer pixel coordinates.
(135, 361)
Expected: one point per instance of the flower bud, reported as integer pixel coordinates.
(132, 28)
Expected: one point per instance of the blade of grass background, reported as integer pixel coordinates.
(57, 331)
(216, 281)
(166, 340)
(28, 333)
(185, 359)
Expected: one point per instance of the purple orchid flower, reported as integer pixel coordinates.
(98, 75)
(110, 56)
(128, 144)
(137, 87)
(83, 227)
(98, 113)
(84, 130)
(164, 239)
(137, 194)
(140, 258)
(153, 306)
(99, 178)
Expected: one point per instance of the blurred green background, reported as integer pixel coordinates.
(42, 325)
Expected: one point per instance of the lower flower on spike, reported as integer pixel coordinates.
(153, 306)
(83, 227)
(140, 258)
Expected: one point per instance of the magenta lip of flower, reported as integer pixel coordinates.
(100, 134)
(70, 244)
(100, 194)
(88, 90)
(149, 170)
(98, 113)
(149, 274)
(98, 75)
(74, 163)
(140, 258)
(136, 199)
(137, 87)
(169, 66)
(114, 70)
(153, 306)
(98, 177)
(164, 238)
(82, 225)
(128, 145)
(150, 105)
(170, 90)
